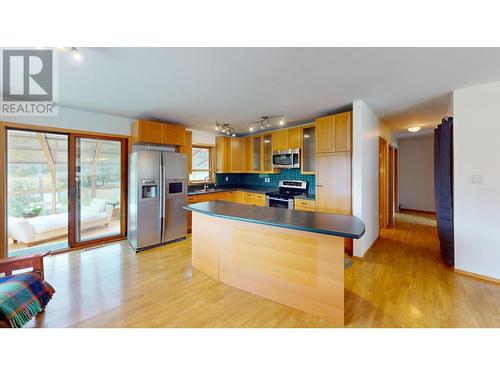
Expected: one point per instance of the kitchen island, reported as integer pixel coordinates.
(295, 258)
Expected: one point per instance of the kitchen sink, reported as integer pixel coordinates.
(205, 190)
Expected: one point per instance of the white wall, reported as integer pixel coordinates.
(416, 173)
(476, 116)
(202, 137)
(367, 128)
(75, 119)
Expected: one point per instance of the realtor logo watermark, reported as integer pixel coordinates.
(29, 85)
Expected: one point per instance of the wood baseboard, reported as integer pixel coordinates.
(366, 252)
(410, 210)
(477, 276)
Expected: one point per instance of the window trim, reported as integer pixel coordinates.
(211, 163)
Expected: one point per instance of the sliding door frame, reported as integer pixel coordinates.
(72, 190)
(125, 150)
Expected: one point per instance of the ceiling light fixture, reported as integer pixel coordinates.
(265, 121)
(77, 56)
(225, 128)
(251, 129)
(414, 129)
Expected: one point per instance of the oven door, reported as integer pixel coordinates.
(278, 202)
(282, 160)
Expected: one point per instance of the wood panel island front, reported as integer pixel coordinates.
(295, 258)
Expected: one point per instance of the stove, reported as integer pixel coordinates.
(288, 189)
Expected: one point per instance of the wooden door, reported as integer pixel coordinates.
(341, 135)
(280, 140)
(324, 127)
(294, 138)
(333, 183)
(396, 180)
(391, 185)
(382, 181)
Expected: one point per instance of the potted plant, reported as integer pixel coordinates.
(23, 202)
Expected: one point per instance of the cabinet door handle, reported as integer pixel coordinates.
(319, 185)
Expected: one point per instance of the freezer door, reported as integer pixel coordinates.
(148, 171)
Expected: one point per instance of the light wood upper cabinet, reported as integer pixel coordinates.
(294, 138)
(144, 131)
(308, 154)
(223, 154)
(147, 132)
(333, 133)
(174, 135)
(238, 154)
(280, 140)
(267, 153)
(324, 126)
(286, 139)
(341, 139)
(256, 153)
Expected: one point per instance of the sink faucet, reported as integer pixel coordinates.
(205, 183)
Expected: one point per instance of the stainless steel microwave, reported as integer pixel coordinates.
(286, 158)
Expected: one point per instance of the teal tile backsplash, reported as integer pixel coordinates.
(235, 179)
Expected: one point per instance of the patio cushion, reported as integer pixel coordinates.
(97, 205)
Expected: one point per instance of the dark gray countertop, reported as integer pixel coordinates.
(330, 224)
(249, 188)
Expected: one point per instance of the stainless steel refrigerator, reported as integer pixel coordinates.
(157, 193)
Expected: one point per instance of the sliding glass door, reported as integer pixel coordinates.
(97, 182)
(63, 190)
(37, 193)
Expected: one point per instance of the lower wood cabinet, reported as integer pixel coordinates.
(243, 197)
(305, 205)
(219, 196)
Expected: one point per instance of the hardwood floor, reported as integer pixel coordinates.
(401, 283)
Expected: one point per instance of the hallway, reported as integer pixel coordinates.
(403, 283)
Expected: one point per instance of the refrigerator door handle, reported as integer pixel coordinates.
(162, 197)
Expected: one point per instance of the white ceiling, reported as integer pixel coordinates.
(197, 86)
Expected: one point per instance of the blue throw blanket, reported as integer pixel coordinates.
(22, 297)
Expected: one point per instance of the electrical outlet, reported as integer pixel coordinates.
(476, 179)
(227, 179)
(267, 179)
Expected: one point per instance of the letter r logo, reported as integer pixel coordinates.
(27, 75)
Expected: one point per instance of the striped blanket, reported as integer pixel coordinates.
(22, 297)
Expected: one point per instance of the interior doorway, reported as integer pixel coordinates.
(382, 182)
(391, 186)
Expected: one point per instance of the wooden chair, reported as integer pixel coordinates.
(8, 265)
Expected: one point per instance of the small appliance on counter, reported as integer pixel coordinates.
(284, 197)
(157, 195)
(286, 159)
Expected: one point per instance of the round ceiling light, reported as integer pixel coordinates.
(414, 129)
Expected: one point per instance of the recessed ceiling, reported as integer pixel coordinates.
(197, 86)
